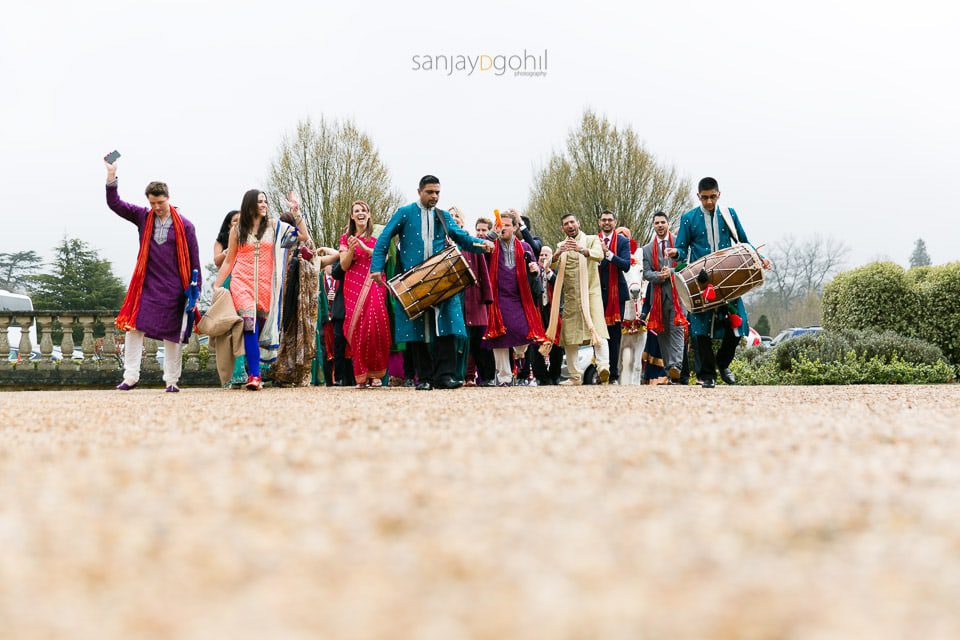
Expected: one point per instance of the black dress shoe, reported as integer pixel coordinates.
(727, 376)
(709, 383)
(446, 382)
(424, 386)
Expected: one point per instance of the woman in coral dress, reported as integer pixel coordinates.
(251, 262)
(367, 325)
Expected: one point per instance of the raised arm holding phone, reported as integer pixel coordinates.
(167, 257)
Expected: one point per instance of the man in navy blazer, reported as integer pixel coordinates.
(615, 263)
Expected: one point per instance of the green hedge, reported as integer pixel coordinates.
(844, 357)
(923, 302)
(939, 320)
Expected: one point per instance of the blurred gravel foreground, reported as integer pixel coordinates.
(540, 513)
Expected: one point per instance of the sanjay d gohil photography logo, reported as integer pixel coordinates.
(523, 65)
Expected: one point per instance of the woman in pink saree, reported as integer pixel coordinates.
(367, 325)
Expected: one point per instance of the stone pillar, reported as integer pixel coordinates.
(109, 342)
(66, 347)
(4, 341)
(87, 321)
(25, 345)
(149, 362)
(193, 354)
(45, 328)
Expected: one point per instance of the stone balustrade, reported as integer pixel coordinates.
(101, 362)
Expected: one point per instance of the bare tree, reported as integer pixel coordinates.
(330, 165)
(801, 268)
(603, 167)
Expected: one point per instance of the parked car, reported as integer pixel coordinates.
(18, 302)
(793, 332)
(58, 354)
(15, 355)
(765, 341)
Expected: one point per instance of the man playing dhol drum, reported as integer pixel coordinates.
(422, 229)
(704, 230)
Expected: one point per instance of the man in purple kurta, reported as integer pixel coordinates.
(162, 297)
(509, 271)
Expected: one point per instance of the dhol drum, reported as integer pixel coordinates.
(438, 278)
(733, 272)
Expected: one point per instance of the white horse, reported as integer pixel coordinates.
(633, 342)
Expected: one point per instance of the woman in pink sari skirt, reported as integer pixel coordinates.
(367, 325)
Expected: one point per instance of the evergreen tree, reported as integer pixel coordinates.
(16, 269)
(920, 257)
(763, 326)
(79, 280)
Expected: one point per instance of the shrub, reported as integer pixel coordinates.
(939, 319)
(825, 346)
(852, 369)
(876, 296)
(923, 302)
(844, 357)
(888, 345)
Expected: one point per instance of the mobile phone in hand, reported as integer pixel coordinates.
(111, 157)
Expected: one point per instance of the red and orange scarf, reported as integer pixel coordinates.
(611, 314)
(495, 327)
(127, 318)
(655, 322)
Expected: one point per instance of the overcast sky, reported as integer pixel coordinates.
(830, 117)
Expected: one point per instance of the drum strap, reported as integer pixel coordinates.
(443, 223)
(728, 218)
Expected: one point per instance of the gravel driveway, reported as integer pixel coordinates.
(591, 512)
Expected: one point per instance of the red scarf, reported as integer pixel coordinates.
(611, 314)
(655, 323)
(127, 318)
(495, 327)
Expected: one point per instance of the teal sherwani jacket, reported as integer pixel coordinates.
(692, 238)
(406, 223)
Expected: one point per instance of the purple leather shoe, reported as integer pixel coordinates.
(173, 389)
(123, 386)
